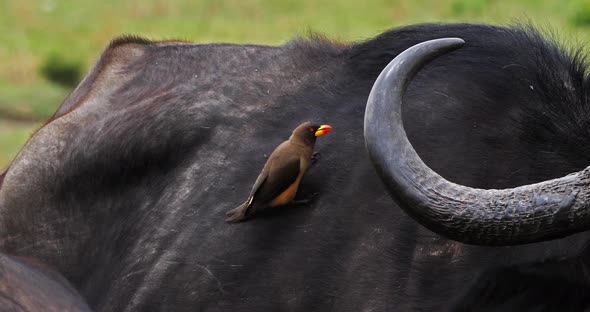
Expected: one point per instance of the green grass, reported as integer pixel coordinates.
(77, 31)
(29, 102)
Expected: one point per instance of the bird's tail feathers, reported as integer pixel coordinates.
(239, 213)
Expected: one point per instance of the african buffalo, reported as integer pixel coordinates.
(27, 285)
(124, 190)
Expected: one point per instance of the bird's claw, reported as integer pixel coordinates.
(315, 157)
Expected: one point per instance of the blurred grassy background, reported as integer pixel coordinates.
(46, 46)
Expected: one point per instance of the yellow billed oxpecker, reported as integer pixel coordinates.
(279, 180)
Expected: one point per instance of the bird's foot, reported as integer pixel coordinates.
(307, 200)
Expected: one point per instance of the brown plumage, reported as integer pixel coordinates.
(279, 180)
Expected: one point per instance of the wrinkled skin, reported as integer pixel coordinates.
(125, 189)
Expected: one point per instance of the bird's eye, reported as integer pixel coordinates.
(311, 130)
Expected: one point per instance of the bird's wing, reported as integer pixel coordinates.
(280, 174)
(259, 181)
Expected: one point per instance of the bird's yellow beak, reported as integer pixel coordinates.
(323, 129)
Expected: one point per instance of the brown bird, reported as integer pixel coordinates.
(279, 180)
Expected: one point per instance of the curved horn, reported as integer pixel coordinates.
(525, 214)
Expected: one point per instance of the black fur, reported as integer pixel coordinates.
(130, 206)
